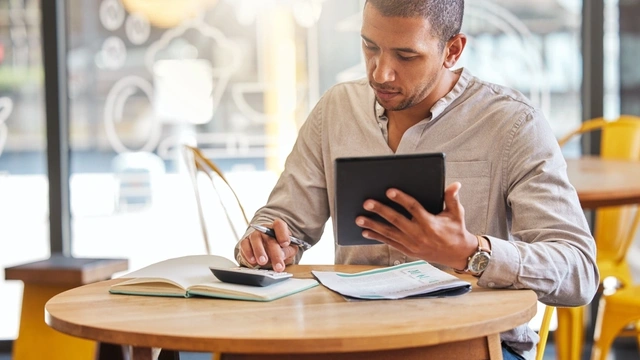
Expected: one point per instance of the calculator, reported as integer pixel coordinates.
(247, 276)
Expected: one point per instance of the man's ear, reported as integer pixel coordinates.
(453, 50)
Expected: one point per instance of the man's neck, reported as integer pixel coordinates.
(413, 115)
(400, 121)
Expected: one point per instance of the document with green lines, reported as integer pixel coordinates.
(414, 279)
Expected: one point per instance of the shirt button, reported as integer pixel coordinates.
(397, 262)
(491, 284)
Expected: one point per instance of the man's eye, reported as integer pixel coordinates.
(369, 46)
(405, 58)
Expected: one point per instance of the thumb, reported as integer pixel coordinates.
(452, 198)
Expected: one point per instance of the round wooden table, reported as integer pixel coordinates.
(603, 182)
(313, 324)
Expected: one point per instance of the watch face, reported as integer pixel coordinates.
(479, 262)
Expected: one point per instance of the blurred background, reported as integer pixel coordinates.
(237, 78)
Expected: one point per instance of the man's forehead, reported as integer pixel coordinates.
(401, 31)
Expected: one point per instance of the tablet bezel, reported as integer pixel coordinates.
(368, 177)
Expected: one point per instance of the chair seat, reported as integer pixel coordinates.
(625, 300)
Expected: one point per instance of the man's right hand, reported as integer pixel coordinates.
(262, 250)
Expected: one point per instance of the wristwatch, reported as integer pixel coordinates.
(478, 262)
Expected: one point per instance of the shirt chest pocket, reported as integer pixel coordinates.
(474, 194)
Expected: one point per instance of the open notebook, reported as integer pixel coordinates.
(190, 276)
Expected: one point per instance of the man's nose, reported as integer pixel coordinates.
(383, 71)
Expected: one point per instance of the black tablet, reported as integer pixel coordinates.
(361, 178)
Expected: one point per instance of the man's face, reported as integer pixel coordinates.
(403, 58)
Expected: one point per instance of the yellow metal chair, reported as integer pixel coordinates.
(233, 211)
(614, 227)
(615, 312)
(544, 331)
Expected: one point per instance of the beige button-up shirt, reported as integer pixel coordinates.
(514, 186)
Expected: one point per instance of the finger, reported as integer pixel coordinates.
(276, 254)
(378, 229)
(395, 218)
(374, 235)
(247, 252)
(290, 253)
(257, 239)
(452, 199)
(413, 206)
(282, 232)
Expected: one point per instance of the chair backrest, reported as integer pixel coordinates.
(198, 164)
(620, 140)
(544, 331)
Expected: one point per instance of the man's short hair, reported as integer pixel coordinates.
(445, 16)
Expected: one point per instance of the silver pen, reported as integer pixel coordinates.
(294, 240)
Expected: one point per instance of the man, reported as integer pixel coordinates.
(508, 198)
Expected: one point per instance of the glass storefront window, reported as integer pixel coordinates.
(24, 206)
(237, 78)
(611, 59)
(533, 48)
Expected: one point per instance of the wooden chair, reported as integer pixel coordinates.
(234, 213)
(614, 227)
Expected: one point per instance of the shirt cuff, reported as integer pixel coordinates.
(504, 266)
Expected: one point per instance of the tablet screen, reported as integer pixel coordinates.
(359, 178)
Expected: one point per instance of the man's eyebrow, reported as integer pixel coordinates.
(407, 50)
(366, 39)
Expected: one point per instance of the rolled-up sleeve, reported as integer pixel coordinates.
(553, 251)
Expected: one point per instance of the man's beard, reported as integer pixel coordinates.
(413, 100)
(407, 103)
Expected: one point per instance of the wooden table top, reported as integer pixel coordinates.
(602, 182)
(59, 270)
(313, 321)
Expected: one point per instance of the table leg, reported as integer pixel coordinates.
(482, 348)
(169, 355)
(495, 346)
(144, 353)
(108, 351)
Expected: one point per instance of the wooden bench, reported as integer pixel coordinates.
(42, 280)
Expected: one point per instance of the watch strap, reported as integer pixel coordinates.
(478, 250)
